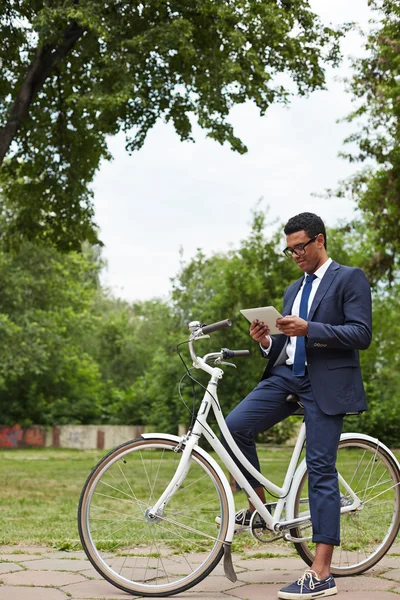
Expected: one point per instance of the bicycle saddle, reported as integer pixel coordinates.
(293, 398)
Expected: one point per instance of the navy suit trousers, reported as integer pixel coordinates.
(265, 406)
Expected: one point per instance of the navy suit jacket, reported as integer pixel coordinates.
(339, 325)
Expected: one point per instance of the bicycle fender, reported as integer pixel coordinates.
(218, 470)
(302, 468)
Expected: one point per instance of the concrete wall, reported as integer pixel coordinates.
(81, 437)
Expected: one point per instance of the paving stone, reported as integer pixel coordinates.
(361, 582)
(363, 595)
(257, 592)
(19, 557)
(43, 578)
(27, 593)
(63, 554)
(91, 574)
(23, 549)
(195, 595)
(199, 558)
(389, 561)
(377, 570)
(393, 574)
(57, 564)
(8, 567)
(262, 564)
(258, 578)
(286, 550)
(216, 584)
(95, 590)
(268, 576)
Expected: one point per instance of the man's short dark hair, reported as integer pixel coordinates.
(309, 222)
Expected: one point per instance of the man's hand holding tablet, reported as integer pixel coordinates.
(263, 323)
(260, 333)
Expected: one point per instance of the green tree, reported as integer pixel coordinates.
(75, 72)
(127, 336)
(375, 188)
(134, 346)
(46, 310)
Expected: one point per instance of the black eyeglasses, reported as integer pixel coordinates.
(300, 249)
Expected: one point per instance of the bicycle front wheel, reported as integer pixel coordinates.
(152, 557)
(367, 532)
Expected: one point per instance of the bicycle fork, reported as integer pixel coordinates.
(157, 510)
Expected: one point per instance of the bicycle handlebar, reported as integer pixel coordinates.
(226, 353)
(197, 331)
(216, 326)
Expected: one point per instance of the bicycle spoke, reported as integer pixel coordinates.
(116, 498)
(127, 482)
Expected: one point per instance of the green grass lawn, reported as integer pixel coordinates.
(40, 492)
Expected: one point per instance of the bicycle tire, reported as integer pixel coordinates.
(367, 533)
(165, 556)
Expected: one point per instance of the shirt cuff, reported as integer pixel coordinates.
(266, 351)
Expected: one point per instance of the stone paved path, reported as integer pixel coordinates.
(35, 573)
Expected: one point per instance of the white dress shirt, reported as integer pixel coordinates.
(291, 347)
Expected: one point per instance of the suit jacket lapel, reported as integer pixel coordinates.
(323, 287)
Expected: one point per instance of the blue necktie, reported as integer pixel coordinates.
(299, 363)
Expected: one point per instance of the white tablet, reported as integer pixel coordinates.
(267, 314)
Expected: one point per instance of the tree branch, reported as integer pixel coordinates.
(40, 69)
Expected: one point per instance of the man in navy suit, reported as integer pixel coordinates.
(326, 321)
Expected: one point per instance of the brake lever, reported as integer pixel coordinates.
(219, 361)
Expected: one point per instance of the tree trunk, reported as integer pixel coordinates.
(40, 69)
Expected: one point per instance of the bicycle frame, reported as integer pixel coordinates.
(285, 494)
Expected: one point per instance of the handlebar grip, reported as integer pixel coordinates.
(216, 326)
(241, 352)
(226, 353)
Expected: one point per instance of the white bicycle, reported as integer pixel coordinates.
(147, 511)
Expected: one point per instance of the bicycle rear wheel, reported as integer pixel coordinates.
(368, 532)
(162, 556)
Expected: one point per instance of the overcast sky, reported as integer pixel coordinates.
(174, 194)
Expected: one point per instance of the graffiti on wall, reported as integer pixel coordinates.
(10, 436)
(15, 437)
